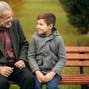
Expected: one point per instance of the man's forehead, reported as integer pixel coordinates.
(7, 14)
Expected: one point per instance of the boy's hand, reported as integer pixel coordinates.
(39, 76)
(49, 76)
(20, 64)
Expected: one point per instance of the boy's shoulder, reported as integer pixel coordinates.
(35, 36)
(56, 34)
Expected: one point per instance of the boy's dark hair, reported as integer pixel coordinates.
(48, 17)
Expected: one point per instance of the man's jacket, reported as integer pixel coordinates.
(19, 43)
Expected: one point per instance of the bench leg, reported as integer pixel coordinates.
(84, 86)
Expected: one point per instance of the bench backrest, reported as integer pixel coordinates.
(77, 56)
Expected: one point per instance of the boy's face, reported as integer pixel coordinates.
(43, 28)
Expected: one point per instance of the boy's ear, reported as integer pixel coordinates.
(51, 26)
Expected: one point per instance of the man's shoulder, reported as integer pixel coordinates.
(15, 20)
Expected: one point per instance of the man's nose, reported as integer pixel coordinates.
(9, 19)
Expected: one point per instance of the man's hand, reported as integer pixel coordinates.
(39, 76)
(49, 76)
(20, 64)
(5, 70)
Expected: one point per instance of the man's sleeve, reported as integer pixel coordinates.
(22, 42)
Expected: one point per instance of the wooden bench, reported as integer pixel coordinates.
(77, 57)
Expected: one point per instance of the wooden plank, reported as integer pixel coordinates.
(77, 56)
(77, 49)
(72, 82)
(77, 63)
(75, 79)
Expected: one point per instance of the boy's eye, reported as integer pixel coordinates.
(41, 24)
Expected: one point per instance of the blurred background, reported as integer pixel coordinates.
(72, 20)
(72, 17)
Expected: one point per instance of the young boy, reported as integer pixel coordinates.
(46, 53)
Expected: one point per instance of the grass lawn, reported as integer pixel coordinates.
(61, 87)
(28, 10)
(44, 87)
(14, 87)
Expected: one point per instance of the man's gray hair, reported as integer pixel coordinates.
(4, 7)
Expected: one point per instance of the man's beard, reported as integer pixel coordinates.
(6, 25)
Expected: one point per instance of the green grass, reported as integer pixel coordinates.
(61, 87)
(28, 10)
(14, 87)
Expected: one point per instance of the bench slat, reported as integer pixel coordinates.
(77, 49)
(75, 79)
(77, 63)
(77, 56)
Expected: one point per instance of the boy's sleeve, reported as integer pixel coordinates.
(32, 56)
(61, 56)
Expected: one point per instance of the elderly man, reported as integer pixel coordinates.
(13, 51)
